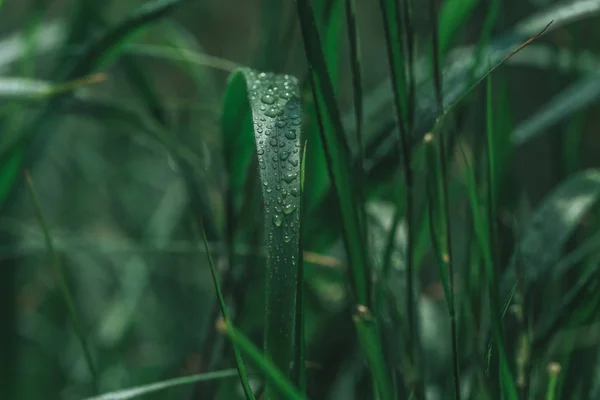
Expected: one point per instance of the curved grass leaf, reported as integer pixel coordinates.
(572, 99)
(551, 226)
(275, 108)
(163, 385)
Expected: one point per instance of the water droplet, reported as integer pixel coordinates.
(273, 112)
(273, 142)
(293, 162)
(284, 155)
(290, 135)
(265, 183)
(289, 177)
(269, 190)
(268, 99)
(281, 123)
(295, 192)
(260, 152)
(287, 238)
(289, 208)
(278, 209)
(277, 220)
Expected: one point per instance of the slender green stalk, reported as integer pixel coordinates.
(241, 368)
(62, 282)
(339, 165)
(553, 373)
(356, 69)
(355, 64)
(404, 107)
(448, 257)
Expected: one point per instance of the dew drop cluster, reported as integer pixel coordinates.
(277, 120)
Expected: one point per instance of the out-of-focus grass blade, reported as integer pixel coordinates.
(563, 13)
(575, 298)
(109, 44)
(274, 376)
(47, 38)
(26, 89)
(453, 16)
(572, 99)
(275, 105)
(181, 55)
(238, 138)
(334, 143)
(163, 385)
(62, 282)
(457, 79)
(551, 226)
(99, 51)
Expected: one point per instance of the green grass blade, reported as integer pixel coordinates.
(240, 366)
(551, 226)
(356, 68)
(106, 47)
(328, 16)
(458, 76)
(484, 241)
(274, 376)
(403, 95)
(334, 143)
(338, 156)
(164, 385)
(62, 283)
(184, 56)
(35, 90)
(574, 98)
(447, 257)
(392, 21)
(98, 52)
(275, 107)
(453, 16)
(574, 299)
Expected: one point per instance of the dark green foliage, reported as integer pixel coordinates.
(401, 199)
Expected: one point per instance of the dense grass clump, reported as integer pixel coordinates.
(308, 199)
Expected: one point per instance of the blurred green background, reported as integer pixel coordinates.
(104, 160)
